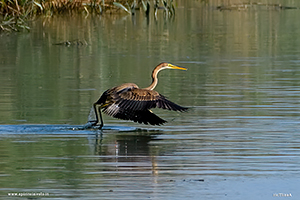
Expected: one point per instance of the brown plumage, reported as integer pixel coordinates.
(129, 102)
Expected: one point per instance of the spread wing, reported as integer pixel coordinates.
(140, 116)
(129, 102)
(142, 99)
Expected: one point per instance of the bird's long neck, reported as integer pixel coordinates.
(154, 79)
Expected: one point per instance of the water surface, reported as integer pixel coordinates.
(239, 140)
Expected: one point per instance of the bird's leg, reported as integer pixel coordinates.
(95, 122)
(98, 116)
(99, 111)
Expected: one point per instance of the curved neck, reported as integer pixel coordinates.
(154, 79)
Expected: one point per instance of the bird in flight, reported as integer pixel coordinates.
(129, 102)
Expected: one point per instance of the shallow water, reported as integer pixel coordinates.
(239, 139)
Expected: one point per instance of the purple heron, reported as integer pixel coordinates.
(129, 102)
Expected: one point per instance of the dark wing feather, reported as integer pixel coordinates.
(164, 103)
(147, 117)
(129, 102)
(142, 99)
(140, 116)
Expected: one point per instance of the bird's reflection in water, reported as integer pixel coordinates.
(131, 145)
(126, 151)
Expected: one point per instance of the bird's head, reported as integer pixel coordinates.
(157, 69)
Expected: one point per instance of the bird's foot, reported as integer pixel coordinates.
(90, 124)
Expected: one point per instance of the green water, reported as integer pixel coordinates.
(239, 140)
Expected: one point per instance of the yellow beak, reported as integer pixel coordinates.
(176, 67)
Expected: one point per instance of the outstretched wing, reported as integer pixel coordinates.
(142, 99)
(129, 102)
(140, 116)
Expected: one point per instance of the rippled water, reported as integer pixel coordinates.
(239, 139)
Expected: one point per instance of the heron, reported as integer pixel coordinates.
(129, 102)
